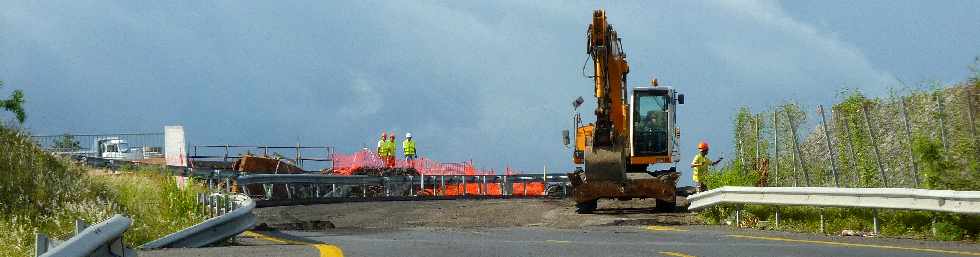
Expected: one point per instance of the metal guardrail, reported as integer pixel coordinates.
(102, 239)
(965, 202)
(235, 217)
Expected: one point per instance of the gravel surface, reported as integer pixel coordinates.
(467, 214)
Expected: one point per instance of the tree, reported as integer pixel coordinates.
(14, 104)
(66, 142)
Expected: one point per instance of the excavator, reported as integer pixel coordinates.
(630, 133)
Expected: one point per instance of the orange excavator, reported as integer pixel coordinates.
(630, 134)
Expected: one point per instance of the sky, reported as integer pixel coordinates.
(487, 81)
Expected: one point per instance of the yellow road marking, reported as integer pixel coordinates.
(663, 228)
(857, 245)
(326, 250)
(266, 238)
(329, 250)
(677, 254)
(557, 241)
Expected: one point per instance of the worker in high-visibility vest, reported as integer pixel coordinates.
(408, 147)
(390, 146)
(381, 145)
(700, 165)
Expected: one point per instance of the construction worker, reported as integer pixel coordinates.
(408, 147)
(381, 145)
(390, 162)
(700, 167)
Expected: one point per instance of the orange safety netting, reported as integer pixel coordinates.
(346, 164)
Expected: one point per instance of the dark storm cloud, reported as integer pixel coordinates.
(487, 81)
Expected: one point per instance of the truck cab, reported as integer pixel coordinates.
(114, 148)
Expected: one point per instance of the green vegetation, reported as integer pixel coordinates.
(892, 223)
(14, 104)
(937, 149)
(67, 142)
(41, 193)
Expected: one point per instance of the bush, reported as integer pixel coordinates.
(947, 231)
(41, 193)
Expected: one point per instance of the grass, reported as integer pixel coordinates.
(892, 223)
(40, 193)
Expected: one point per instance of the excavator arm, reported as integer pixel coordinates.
(610, 69)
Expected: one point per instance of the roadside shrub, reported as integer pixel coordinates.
(947, 231)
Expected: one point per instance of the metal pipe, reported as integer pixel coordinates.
(871, 135)
(830, 151)
(775, 144)
(908, 134)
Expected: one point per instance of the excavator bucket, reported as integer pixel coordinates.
(605, 164)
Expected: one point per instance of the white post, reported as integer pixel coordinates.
(544, 180)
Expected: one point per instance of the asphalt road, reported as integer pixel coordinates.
(588, 241)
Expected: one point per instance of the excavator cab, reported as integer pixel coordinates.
(653, 117)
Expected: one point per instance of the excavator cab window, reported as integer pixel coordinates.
(650, 122)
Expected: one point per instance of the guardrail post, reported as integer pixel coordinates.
(822, 227)
(443, 184)
(874, 220)
(738, 210)
(79, 226)
(464, 186)
(932, 227)
(387, 184)
(363, 191)
(40, 244)
(229, 205)
(777, 217)
(421, 183)
(333, 190)
(411, 186)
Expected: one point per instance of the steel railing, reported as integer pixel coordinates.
(962, 202)
(232, 216)
(102, 239)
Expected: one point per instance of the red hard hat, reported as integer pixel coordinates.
(703, 145)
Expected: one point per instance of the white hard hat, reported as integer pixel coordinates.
(408, 134)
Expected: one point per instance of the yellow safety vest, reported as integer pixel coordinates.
(701, 171)
(390, 147)
(409, 147)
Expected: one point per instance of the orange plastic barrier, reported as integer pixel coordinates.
(493, 189)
